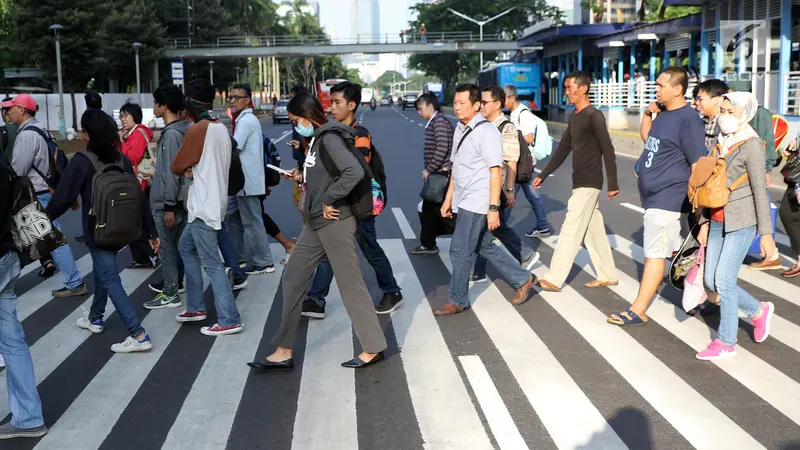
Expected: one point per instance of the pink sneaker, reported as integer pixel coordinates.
(761, 325)
(717, 350)
(186, 316)
(219, 330)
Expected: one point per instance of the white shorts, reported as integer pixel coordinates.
(662, 233)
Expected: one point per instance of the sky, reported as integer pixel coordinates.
(337, 16)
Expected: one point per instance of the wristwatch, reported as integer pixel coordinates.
(509, 190)
(494, 208)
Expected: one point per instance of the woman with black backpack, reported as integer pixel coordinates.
(329, 231)
(102, 150)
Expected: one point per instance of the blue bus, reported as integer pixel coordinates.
(526, 77)
(436, 88)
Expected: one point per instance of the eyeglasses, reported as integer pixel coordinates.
(236, 98)
(486, 102)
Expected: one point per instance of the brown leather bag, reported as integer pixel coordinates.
(708, 185)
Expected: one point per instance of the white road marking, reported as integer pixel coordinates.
(405, 227)
(30, 302)
(638, 209)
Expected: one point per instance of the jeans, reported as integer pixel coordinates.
(198, 247)
(63, 254)
(247, 228)
(725, 254)
(108, 283)
(227, 246)
(367, 239)
(537, 204)
(518, 249)
(23, 398)
(171, 266)
(470, 239)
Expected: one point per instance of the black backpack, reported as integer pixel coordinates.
(367, 199)
(525, 162)
(115, 217)
(271, 156)
(57, 158)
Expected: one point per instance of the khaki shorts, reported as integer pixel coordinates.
(662, 233)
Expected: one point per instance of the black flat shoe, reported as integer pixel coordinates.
(286, 364)
(357, 363)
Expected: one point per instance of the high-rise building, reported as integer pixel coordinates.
(576, 11)
(367, 20)
(313, 6)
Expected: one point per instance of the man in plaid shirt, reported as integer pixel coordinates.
(707, 100)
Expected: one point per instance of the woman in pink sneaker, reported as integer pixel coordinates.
(730, 230)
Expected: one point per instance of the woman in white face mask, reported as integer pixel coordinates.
(729, 231)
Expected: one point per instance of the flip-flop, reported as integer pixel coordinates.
(598, 284)
(547, 286)
(623, 321)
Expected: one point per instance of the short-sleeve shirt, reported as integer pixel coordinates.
(676, 141)
(481, 150)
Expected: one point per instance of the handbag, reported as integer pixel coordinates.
(791, 170)
(147, 166)
(435, 187)
(694, 290)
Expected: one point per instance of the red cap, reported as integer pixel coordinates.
(23, 100)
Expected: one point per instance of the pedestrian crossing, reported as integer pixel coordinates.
(549, 374)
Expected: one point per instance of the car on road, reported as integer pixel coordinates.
(410, 101)
(385, 101)
(279, 111)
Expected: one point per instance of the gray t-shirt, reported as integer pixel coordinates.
(480, 151)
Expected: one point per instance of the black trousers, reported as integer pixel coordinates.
(433, 224)
(790, 216)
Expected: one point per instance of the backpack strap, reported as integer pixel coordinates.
(536, 132)
(469, 130)
(47, 140)
(736, 184)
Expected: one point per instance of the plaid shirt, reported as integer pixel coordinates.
(712, 131)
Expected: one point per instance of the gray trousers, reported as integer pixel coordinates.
(337, 241)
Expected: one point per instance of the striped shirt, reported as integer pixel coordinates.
(711, 131)
(438, 144)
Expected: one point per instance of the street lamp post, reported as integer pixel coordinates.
(62, 125)
(211, 65)
(136, 46)
(480, 23)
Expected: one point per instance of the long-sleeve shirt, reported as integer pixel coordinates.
(30, 150)
(6, 241)
(166, 187)
(438, 144)
(588, 140)
(134, 144)
(251, 152)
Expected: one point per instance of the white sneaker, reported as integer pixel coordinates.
(2, 361)
(95, 327)
(530, 262)
(130, 345)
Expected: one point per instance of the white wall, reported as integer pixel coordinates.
(48, 106)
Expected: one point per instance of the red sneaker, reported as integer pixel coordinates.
(219, 330)
(186, 316)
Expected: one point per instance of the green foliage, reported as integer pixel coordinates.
(384, 82)
(354, 76)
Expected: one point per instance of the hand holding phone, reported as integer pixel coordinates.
(278, 169)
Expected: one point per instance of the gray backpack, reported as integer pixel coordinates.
(115, 217)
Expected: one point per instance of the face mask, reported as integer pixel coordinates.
(303, 130)
(728, 124)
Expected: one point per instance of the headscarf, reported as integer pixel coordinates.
(750, 104)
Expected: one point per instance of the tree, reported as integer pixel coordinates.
(354, 76)
(384, 82)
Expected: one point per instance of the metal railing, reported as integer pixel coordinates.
(791, 101)
(283, 41)
(629, 94)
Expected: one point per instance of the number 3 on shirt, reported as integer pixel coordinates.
(651, 146)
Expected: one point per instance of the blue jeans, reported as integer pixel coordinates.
(23, 398)
(198, 248)
(537, 204)
(470, 239)
(62, 256)
(725, 254)
(171, 264)
(246, 225)
(518, 249)
(367, 239)
(108, 283)
(227, 246)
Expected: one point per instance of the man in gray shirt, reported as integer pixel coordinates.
(474, 195)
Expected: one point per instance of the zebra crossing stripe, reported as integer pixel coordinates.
(328, 343)
(569, 416)
(434, 383)
(685, 409)
(30, 302)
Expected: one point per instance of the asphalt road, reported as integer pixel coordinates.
(548, 374)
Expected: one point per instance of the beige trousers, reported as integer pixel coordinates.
(583, 224)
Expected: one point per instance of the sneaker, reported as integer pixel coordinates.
(9, 432)
(95, 327)
(313, 310)
(473, 279)
(389, 303)
(242, 265)
(237, 284)
(2, 361)
(130, 345)
(422, 250)
(717, 350)
(77, 291)
(538, 233)
(159, 287)
(529, 263)
(762, 325)
(259, 270)
(197, 316)
(163, 301)
(219, 330)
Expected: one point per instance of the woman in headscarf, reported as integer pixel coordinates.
(729, 231)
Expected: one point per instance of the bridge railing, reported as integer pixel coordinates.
(629, 94)
(387, 38)
(791, 102)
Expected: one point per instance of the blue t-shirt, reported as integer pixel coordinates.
(676, 141)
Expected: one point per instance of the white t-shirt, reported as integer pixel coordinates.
(208, 195)
(529, 123)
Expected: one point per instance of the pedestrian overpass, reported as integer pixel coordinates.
(241, 47)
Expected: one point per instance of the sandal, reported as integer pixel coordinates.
(548, 286)
(626, 318)
(598, 283)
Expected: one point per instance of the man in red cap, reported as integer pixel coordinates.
(31, 159)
